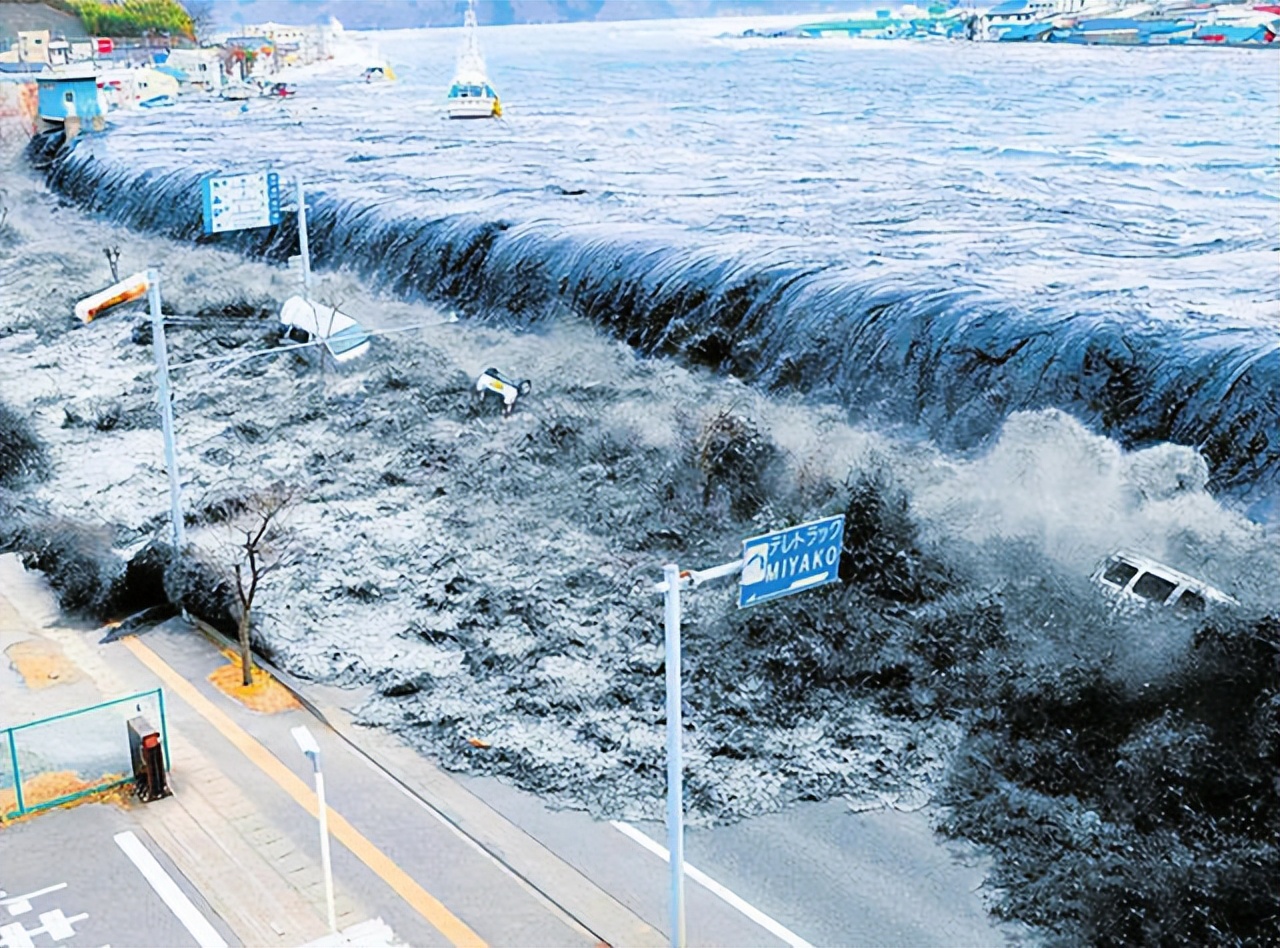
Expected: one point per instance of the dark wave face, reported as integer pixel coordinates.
(931, 234)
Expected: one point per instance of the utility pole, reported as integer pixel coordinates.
(771, 566)
(304, 247)
(166, 410)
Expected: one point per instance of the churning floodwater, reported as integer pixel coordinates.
(931, 234)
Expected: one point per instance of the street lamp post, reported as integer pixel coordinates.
(166, 410)
(307, 744)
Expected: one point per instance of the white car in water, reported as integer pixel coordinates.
(1128, 576)
(307, 321)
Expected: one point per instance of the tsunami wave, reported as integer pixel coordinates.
(926, 352)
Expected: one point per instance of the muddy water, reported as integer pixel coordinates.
(937, 235)
(490, 576)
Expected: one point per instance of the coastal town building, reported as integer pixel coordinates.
(35, 33)
(70, 101)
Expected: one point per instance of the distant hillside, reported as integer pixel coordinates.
(399, 14)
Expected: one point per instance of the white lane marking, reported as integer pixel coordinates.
(770, 925)
(18, 904)
(205, 934)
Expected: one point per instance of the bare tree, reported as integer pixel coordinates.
(260, 544)
(203, 21)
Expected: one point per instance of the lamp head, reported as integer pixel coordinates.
(306, 742)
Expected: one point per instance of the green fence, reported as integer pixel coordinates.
(68, 756)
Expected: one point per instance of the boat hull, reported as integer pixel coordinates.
(478, 109)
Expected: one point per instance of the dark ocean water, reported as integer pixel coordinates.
(933, 234)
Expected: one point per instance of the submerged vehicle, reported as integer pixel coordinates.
(306, 321)
(1139, 579)
(491, 380)
(471, 96)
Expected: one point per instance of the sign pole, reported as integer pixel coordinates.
(771, 566)
(166, 410)
(304, 247)
(675, 762)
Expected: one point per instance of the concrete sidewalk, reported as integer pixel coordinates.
(238, 826)
(268, 893)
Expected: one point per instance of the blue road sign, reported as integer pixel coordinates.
(239, 201)
(791, 560)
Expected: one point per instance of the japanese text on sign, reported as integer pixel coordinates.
(787, 561)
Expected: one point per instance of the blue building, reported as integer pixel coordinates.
(69, 102)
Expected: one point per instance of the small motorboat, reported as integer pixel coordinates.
(282, 90)
(471, 96)
(379, 73)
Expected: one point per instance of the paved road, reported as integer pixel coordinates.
(817, 873)
(471, 885)
(826, 875)
(64, 879)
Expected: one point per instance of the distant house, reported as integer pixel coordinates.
(250, 52)
(29, 30)
(1005, 17)
(196, 69)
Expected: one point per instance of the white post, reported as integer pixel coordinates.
(166, 409)
(324, 847)
(675, 763)
(303, 247)
(307, 744)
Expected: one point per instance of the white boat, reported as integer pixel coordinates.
(238, 91)
(471, 96)
(379, 72)
(126, 88)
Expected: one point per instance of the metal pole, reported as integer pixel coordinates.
(304, 248)
(164, 724)
(324, 846)
(166, 410)
(17, 774)
(675, 764)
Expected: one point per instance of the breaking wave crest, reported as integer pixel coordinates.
(952, 359)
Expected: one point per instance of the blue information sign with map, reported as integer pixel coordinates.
(240, 201)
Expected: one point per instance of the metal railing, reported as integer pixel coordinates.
(62, 758)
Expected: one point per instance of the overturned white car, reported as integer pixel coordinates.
(1135, 578)
(491, 380)
(307, 321)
